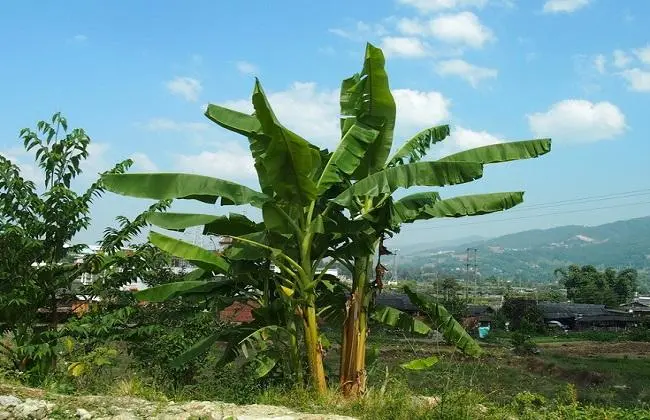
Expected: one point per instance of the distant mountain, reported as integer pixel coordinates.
(452, 243)
(534, 254)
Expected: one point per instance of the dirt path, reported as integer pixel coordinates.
(27, 403)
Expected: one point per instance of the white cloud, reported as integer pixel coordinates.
(643, 54)
(245, 67)
(621, 59)
(404, 47)
(428, 6)
(142, 163)
(29, 169)
(564, 6)
(80, 38)
(469, 72)
(231, 161)
(579, 121)
(166, 124)
(411, 26)
(638, 80)
(599, 63)
(417, 110)
(361, 31)
(463, 138)
(462, 28)
(185, 87)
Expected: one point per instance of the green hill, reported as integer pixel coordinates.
(534, 254)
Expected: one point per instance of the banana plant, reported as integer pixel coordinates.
(301, 187)
(366, 98)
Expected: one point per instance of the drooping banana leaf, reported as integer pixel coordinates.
(233, 224)
(418, 146)
(420, 364)
(235, 121)
(290, 161)
(277, 220)
(160, 186)
(469, 205)
(413, 174)
(199, 348)
(347, 156)
(249, 126)
(395, 318)
(167, 291)
(198, 256)
(250, 247)
(409, 207)
(372, 102)
(445, 323)
(502, 152)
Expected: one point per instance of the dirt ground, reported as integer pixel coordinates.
(599, 349)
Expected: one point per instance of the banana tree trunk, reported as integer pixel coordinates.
(314, 349)
(355, 330)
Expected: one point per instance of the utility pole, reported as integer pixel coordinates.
(467, 279)
(475, 274)
(395, 262)
(467, 275)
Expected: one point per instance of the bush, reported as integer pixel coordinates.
(523, 344)
(166, 332)
(640, 333)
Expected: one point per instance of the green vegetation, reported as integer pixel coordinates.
(308, 329)
(319, 208)
(588, 285)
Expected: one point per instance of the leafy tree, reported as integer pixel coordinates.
(37, 226)
(587, 284)
(523, 314)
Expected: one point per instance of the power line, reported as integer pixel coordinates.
(534, 216)
(583, 200)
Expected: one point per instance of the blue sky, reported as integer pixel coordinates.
(137, 75)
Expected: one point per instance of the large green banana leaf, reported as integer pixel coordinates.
(420, 364)
(374, 106)
(249, 126)
(290, 161)
(349, 102)
(242, 249)
(465, 205)
(198, 256)
(199, 348)
(395, 318)
(502, 152)
(233, 224)
(418, 146)
(160, 186)
(410, 206)
(347, 156)
(413, 174)
(445, 323)
(235, 121)
(167, 291)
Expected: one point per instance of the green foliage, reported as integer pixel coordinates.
(39, 272)
(524, 315)
(588, 285)
(445, 323)
(523, 344)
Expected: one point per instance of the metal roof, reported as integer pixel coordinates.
(554, 310)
